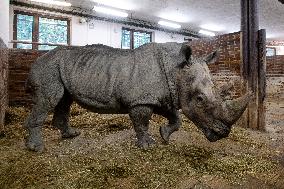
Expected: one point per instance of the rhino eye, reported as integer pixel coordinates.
(199, 98)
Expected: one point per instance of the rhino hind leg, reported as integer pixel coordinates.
(61, 117)
(173, 125)
(33, 126)
(46, 99)
(140, 116)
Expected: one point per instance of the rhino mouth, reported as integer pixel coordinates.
(212, 135)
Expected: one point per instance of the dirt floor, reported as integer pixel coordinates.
(104, 156)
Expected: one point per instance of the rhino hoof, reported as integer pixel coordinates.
(71, 133)
(164, 132)
(145, 142)
(35, 146)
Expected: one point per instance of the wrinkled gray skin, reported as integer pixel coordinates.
(154, 78)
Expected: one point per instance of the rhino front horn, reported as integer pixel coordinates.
(233, 109)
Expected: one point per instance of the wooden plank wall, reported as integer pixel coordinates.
(253, 63)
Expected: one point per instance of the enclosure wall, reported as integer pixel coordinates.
(20, 62)
(275, 78)
(3, 82)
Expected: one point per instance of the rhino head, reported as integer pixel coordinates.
(201, 101)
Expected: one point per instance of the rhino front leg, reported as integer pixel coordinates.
(173, 125)
(140, 116)
(61, 117)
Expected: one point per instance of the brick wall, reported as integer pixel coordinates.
(275, 77)
(227, 66)
(275, 43)
(3, 83)
(19, 65)
(275, 66)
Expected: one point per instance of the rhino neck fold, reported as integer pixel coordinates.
(172, 84)
(168, 65)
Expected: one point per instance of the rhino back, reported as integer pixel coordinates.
(106, 78)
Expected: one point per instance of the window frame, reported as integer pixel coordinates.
(132, 35)
(35, 34)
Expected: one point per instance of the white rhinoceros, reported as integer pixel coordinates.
(154, 78)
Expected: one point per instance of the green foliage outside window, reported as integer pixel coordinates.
(49, 31)
(24, 30)
(139, 38)
(125, 39)
(52, 31)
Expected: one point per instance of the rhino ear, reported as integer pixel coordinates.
(185, 53)
(211, 58)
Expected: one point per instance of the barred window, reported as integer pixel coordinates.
(24, 30)
(270, 51)
(42, 32)
(132, 39)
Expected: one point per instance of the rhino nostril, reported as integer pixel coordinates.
(200, 99)
(217, 129)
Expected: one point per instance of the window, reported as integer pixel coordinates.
(24, 30)
(132, 39)
(270, 51)
(34, 31)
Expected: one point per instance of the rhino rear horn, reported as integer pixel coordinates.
(185, 53)
(211, 58)
(225, 90)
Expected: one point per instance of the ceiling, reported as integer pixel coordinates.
(223, 15)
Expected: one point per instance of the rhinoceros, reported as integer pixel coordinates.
(159, 78)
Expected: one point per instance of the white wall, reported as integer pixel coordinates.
(110, 33)
(95, 31)
(279, 50)
(4, 20)
(11, 20)
(106, 33)
(162, 37)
